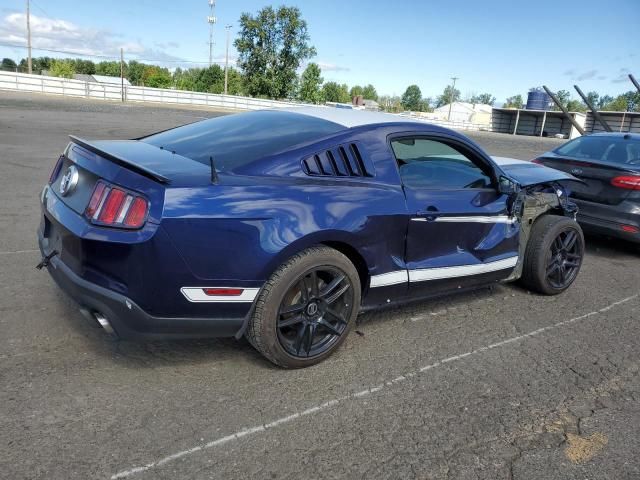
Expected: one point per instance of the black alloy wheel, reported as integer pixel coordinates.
(554, 254)
(307, 308)
(565, 258)
(314, 312)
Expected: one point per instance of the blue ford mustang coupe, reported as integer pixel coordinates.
(283, 225)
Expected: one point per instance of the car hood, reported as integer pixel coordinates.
(528, 173)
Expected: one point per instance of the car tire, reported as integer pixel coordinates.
(553, 256)
(294, 329)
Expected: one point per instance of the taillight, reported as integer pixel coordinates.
(537, 160)
(115, 207)
(56, 170)
(629, 182)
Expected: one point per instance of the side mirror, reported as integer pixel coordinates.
(507, 186)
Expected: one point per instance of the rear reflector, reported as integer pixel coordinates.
(115, 207)
(630, 229)
(56, 170)
(223, 292)
(629, 182)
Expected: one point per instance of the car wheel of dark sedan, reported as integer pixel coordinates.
(554, 255)
(306, 309)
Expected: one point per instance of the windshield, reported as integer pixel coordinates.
(236, 140)
(612, 149)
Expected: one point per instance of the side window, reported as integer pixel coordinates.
(431, 164)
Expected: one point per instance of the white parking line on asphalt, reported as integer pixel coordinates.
(18, 251)
(323, 406)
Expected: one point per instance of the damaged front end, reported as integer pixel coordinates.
(541, 191)
(533, 202)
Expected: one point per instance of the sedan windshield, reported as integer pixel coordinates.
(613, 149)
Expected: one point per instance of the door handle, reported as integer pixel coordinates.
(429, 214)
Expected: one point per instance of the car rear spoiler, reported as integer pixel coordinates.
(116, 155)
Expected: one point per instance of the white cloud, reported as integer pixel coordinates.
(65, 36)
(331, 67)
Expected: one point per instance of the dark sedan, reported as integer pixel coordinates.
(609, 165)
(283, 225)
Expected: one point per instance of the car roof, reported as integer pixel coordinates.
(635, 136)
(350, 118)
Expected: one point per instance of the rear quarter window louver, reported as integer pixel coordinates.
(342, 161)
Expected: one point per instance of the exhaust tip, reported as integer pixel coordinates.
(104, 323)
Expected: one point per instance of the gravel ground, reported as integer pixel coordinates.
(495, 384)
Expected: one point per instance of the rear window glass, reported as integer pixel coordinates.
(237, 140)
(609, 149)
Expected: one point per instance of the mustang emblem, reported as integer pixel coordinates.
(69, 181)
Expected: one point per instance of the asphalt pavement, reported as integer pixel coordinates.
(495, 384)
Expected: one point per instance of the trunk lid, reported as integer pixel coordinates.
(597, 176)
(162, 165)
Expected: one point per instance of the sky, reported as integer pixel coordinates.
(503, 47)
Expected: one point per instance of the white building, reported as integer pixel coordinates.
(476, 113)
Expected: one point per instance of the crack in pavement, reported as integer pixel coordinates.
(363, 393)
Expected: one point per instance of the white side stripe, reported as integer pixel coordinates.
(423, 274)
(196, 294)
(470, 219)
(391, 278)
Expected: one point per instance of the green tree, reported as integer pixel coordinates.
(135, 72)
(156, 77)
(604, 100)
(390, 104)
(271, 46)
(483, 98)
(62, 68)
(514, 102)
(110, 69)
(311, 84)
(356, 90)
(235, 82)
(8, 64)
(186, 79)
(210, 80)
(425, 105)
(563, 97)
(334, 92)
(412, 98)
(594, 98)
(369, 92)
(576, 106)
(449, 95)
(86, 67)
(38, 64)
(627, 102)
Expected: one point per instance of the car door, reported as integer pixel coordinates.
(460, 232)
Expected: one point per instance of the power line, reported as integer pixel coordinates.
(42, 10)
(112, 57)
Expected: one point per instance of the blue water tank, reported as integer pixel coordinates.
(538, 99)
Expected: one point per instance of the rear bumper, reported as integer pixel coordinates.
(609, 219)
(127, 319)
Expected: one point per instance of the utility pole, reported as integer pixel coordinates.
(122, 72)
(211, 20)
(29, 64)
(226, 62)
(453, 89)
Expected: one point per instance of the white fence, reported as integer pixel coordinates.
(77, 88)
